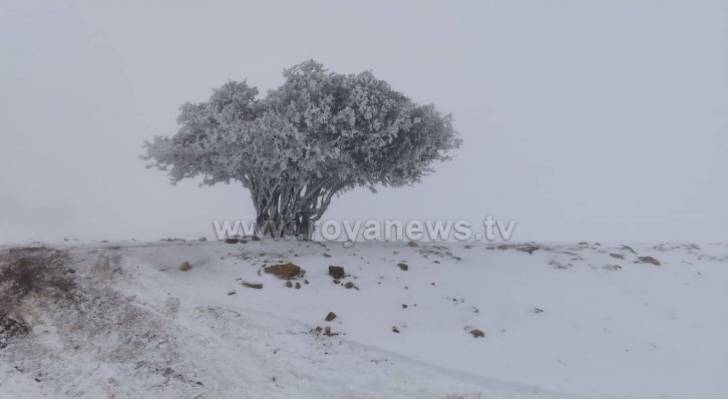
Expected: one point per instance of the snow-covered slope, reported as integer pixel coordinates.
(558, 320)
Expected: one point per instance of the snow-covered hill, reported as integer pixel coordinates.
(125, 320)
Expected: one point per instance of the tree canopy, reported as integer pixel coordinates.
(317, 135)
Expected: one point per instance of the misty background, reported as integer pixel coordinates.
(581, 120)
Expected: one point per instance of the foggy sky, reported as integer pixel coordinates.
(581, 120)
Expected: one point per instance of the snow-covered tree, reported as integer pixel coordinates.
(316, 136)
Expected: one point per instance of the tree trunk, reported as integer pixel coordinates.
(290, 210)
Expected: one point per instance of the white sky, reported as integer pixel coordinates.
(582, 120)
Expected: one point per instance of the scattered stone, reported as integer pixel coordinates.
(559, 265)
(395, 330)
(202, 239)
(232, 240)
(232, 293)
(330, 317)
(255, 238)
(433, 283)
(612, 267)
(298, 285)
(252, 285)
(404, 306)
(617, 256)
(583, 243)
(289, 284)
(403, 266)
(648, 260)
(169, 240)
(524, 247)
(285, 271)
(327, 332)
(537, 310)
(627, 248)
(412, 244)
(336, 272)
(185, 266)
(327, 255)
(477, 333)
(349, 285)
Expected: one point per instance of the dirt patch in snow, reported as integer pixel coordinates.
(61, 314)
(26, 273)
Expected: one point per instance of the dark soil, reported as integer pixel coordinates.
(25, 272)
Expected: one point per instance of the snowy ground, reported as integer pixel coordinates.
(558, 320)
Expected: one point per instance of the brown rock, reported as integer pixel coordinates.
(185, 266)
(477, 333)
(336, 272)
(330, 317)
(285, 271)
